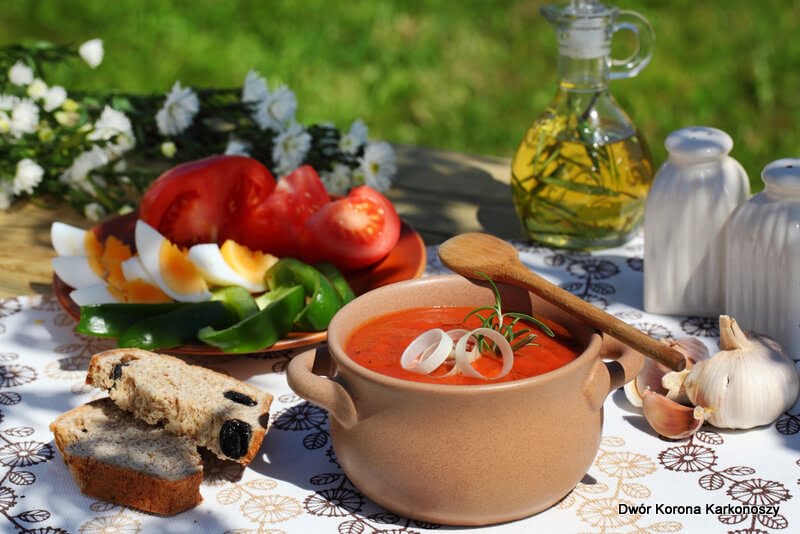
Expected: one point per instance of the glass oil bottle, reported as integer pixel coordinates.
(582, 172)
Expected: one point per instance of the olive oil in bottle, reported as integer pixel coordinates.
(576, 193)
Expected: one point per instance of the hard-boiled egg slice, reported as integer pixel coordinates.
(232, 265)
(78, 271)
(168, 266)
(96, 294)
(70, 240)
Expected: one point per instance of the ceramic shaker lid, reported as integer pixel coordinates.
(783, 174)
(698, 143)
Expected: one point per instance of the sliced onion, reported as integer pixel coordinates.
(457, 334)
(432, 348)
(427, 352)
(463, 363)
(471, 355)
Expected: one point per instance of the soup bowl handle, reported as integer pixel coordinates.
(606, 376)
(320, 390)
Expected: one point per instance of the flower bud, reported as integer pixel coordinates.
(168, 149)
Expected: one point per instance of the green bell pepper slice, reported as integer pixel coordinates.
(237, 299)
(337, 280)
(262, 329)
(322, 299)
(177, 327)
(111, 320)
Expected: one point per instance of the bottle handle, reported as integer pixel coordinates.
(641, 28)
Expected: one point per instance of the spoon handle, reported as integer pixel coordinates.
(522, 277)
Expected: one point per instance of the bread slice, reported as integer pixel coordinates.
(115, 457)
(219, 412)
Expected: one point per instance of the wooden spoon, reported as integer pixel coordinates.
(468, 254)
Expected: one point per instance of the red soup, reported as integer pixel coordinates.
(379, 343)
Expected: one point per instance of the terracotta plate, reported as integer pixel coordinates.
(406, 260)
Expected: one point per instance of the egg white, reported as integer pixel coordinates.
(208, 258)
(75, 271)
(68, 240)
(133, 269)
(148, 245)
(96, 294)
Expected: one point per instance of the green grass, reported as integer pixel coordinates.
(461, 75)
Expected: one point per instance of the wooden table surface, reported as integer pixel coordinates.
(439, 193)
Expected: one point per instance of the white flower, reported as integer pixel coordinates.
(115, 125)
(355, 138)
(5, 122)
(276, 110)
(290, 148)
(255, 87)
(78, 173)
(378, 165)
(54, 97)
(179, 110)
(5, 195)
(168, 149)
(93, 211)
(92, 52)
(29, 175)
(237, 147)
(37, 89)
(7, 102)
(20, 74)
(337, 180)
(24, 118)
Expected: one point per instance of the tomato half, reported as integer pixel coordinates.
(355, 231)
(277, 224)
(207, 200)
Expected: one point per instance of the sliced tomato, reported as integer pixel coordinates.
(353, 232)
(277, 224)
(207, 200)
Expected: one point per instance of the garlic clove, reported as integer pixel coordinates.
(672, 383)
(670, 419)
(653, 373)
(632, 393)
(692, 348)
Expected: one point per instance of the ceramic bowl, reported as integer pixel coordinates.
(464, 455)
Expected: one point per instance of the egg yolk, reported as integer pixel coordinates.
(94, 252)
(178, 271)
(114, 253)
(249, 263)
(138, 291)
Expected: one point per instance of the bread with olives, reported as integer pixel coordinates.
(218, 412)
(115, 457)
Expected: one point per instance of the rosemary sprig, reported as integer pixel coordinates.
(496, 321)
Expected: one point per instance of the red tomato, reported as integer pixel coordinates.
(355, 231)
(277, 225)
(207, 200)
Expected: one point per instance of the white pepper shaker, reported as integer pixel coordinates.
(762, 287)
(693, 194)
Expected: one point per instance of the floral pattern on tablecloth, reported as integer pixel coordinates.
(296, 484)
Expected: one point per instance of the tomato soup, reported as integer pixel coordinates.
(379, 343)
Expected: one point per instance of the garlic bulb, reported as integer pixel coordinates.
(660, 379)
(750, 382)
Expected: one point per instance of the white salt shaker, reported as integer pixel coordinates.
(762, 285)
(693, 194)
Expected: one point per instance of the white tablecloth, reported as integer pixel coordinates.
(696, 485)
